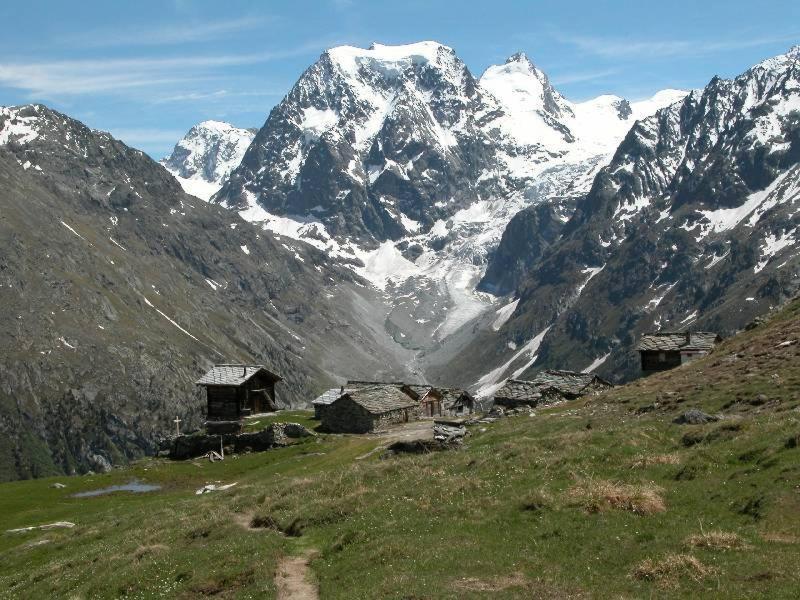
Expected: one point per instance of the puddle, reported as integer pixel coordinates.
(134, 486)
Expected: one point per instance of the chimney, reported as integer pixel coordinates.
(341, 391)
(244, 371)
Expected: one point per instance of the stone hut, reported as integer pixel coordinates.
(568, 385)
(237, 391)
(516, 392)
(549, 386)
(664, 350)
(370, 408)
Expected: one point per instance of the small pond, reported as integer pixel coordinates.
(134, 486)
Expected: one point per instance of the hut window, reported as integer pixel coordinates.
(662, 357)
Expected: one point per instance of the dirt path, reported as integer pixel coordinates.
(292, 579)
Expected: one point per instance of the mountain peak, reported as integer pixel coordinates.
(522, 86)
(518, 57)
(781, 61)
(206, 156)
(349, 57)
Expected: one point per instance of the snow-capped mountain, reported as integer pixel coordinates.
(206, 155)
(396, 160)
(694, 223)
(374, 144)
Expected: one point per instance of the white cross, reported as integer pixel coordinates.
(177, 422)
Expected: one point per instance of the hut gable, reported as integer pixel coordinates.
(236, 391)
(456, 401)
(418, 391)
(325, 399)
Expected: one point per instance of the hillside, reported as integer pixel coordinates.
(118, 290)
(605, 497)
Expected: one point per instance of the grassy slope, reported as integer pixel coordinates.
(594, 498)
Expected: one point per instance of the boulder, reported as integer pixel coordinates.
(295, 430)
(694, 417)
(99, 463)
(448, 433)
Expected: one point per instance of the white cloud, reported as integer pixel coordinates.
(212, 96)
(583, 76)
(632, 48)
(112, 76)
(179, 33)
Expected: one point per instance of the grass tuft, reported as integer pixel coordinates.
(717, 540)
(671, 569)
(149, 550)
(599, 495)
(645, 461)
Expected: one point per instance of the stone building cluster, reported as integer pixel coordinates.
(548, 387)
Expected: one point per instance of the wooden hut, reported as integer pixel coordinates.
(429, 398)
(370, 408)
(237, 391)
(666, 350)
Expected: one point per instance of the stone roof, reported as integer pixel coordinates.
(380, 399)
(357, 383)
(519, 391)
(420, 390)
(234, 375)
(450, 396)
(678, 340)
(566, 382)
(328, 396)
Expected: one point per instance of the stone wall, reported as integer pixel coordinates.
(275, 435)
(345, 416)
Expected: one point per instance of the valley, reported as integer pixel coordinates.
(395, 217)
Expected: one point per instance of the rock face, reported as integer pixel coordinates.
(693, 224)
(206, 155)
(118, 290)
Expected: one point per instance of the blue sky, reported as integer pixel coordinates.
(148, 70)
